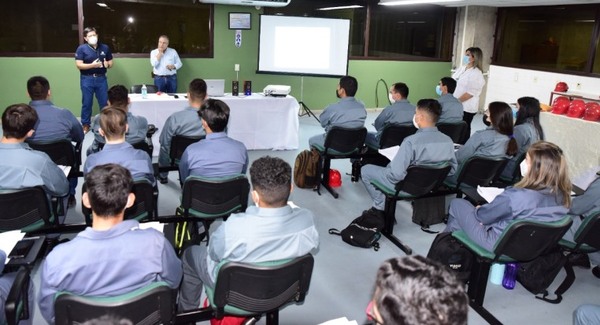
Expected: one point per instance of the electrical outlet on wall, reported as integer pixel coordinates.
(236, 67)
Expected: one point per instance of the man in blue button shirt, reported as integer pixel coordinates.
(92, 59)
(165, 63)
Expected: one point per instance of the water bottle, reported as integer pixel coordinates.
(497, 274)
(144, 91)
(510, 275)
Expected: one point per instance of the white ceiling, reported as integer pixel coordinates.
(517, 3)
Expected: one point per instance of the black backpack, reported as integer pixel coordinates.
(363, 231)
(450, 252)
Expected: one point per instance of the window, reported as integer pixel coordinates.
(402, 32)
(127, 27)
(554, 38)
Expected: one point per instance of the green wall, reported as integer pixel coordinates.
(422, 77)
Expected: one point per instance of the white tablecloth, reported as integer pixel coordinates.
(258, 121)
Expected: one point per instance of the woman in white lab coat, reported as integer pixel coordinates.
(469, 83)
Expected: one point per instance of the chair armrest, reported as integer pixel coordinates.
(17, 301)
(151, 130)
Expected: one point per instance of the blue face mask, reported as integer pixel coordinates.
(438, 90)
(514, 111)
(466, 59)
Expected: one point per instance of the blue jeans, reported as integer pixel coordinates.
(166, 84)
(91, 85)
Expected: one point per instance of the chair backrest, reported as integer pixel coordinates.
(261, 288)
(144, 207)
(152, 304)
(214, 198)
(394, 134)
(16, 307)
(516, 175)
(420, 180)
(137, 89)
(178, 145)
(26, 209)
(143, 145)
(588, 232)
(480, 171)
(345, 140)
(62, 152)
(456, 131)
(526, 239)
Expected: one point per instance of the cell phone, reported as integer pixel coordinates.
(21, 249)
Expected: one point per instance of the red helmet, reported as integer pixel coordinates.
(560, 105)
(592, 112)
(335, 179)
(562, 87)
(576, 109)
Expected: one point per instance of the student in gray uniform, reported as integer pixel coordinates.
(425, 148)
(452, 108)
(401, 111)
(183, 123)
(544, 194)
(527, 130)
(113, 126)
(118, 96)
(495, 141)
(348, 112)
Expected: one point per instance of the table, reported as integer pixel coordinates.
(260, 122)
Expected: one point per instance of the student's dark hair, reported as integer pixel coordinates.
(529, 108)
(118, 96)
(271, 177)
(108, 187)
(197, 89)
(17, 120)
(113, 122)
(87, 30)
(349, 84)
(431, 107)
(449, 83)
(38, 87)
(215, 113)
(401, 88)
(415, 290)
(502, 121)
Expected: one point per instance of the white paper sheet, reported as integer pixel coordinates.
(489, 193)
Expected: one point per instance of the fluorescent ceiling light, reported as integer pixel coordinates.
(340, 7)
(412, 2)
(101, 4)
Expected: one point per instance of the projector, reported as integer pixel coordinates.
(277, 90)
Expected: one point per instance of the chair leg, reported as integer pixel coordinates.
(477, 287)
(273, 318)
(325, 177)
(388, 227)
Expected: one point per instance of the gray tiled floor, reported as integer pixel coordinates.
(343, 275)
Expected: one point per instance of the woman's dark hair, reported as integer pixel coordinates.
(502, 121)
(529, 108)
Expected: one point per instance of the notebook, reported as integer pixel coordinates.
(215, 87)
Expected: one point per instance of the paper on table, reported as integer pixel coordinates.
(390, 152)
(65, 169)
(489, 193)
(340, 321)
(9, 239)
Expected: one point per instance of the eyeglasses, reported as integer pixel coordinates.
(371, 314)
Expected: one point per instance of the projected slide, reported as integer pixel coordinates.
(304, 46)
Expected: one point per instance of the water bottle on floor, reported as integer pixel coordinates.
(510, 275)
(144, 91)
(497, 274)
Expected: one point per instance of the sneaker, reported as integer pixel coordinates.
(163, 179)
(86, 128)
(373, 212)
(596, 271)
(72, 201)
(580, 260)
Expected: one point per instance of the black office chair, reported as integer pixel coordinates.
(477, 171)
(340, 143)
(178, 145)
(419, 182)
(16, 307)
(516, 174)
(137, 89)
(456, 131)
(145, 207)
(62, 152)
(522, 241)
(394, 134)
(27, 209)
(251, 290)
(152, 304)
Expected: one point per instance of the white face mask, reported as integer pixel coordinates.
(415, 121)
(391, 98)
(524, 168)
(92, 40)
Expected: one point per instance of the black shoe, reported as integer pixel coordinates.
(373, 212)
(163, 180)
(580, 260)
(72, 201)
(596, 271)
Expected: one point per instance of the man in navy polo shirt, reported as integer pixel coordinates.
(92, 60)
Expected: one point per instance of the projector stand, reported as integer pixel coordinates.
(305, 110)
